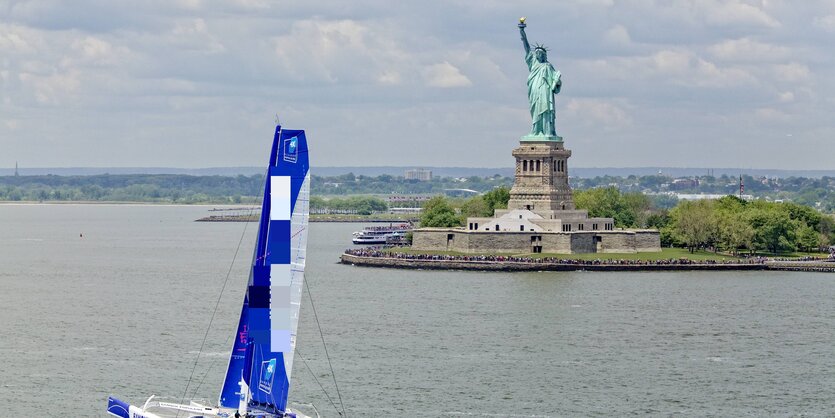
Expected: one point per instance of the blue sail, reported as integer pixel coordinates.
(230, 393)
(270, 314)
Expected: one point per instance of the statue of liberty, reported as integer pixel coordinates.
(543, 83)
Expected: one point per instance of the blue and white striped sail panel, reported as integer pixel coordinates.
(270, 316)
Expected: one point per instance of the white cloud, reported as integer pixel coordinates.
(189, 4)
(445, 75)
(748, 50)
(252, 4)
(389, 77)
(194, 34)
(338, 50)
(827, 23)
(13, 42)
(673, 63)
(708, 74)
(671, 67)
(734, 12)
(90, 50)
(16, 39)
(792, 72)
(52, 89)
(611, 115)
(771, 115)
(618, 35)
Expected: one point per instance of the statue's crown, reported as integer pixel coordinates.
(540, 47)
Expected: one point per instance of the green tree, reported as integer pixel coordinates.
(774, 230)
(438, 213)
(694, 224)
(658, 219)
(808, 239)
(629, 210)
(475, 207)
(734, 231)
(496, 199)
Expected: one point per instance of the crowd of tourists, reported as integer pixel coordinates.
(383, 253)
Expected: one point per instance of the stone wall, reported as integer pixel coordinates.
(431, 239)
(647, 241)
(617, 242)
(453, 239)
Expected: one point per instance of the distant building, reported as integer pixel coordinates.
(684, 183)
(419, 174)
(16, 174)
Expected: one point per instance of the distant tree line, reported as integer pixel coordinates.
(815, 192)
(158, 188)
(361, 205)
(349, 184)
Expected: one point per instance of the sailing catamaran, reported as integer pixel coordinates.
(258, 376)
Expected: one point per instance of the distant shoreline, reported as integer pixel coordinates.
(105, 202)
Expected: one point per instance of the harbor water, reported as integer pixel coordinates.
(116, 299)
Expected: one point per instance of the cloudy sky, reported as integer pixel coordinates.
(197, 83)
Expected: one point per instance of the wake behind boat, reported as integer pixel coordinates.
(257, 379)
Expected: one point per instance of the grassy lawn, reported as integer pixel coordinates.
(665, 254)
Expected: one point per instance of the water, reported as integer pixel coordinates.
(122, 310)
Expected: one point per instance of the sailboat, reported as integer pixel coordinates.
(257, 378)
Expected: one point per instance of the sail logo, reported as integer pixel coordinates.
(291, 149)
(265, 384)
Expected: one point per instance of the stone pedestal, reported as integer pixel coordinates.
(541, 177)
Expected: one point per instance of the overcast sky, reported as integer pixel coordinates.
(197, 83)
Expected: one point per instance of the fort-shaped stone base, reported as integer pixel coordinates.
(540, 218)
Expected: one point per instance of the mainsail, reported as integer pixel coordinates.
(262, 355)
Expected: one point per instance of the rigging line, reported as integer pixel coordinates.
(317, 382)
(325, 346)
(212, 364)
(211, 320)
(228, 337)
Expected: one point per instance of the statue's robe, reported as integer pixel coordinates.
(543, 83)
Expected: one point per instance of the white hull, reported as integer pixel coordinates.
(161, 409)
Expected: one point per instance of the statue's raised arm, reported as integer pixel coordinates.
(525, 43)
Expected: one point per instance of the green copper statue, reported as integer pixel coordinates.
(543, 83)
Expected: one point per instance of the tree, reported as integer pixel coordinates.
(774, 230)
(496, 199)
(735, 232)
(628, 210)
(658, 219)
(476, 207)
(808, 239)
(438, 213)
(694, 223)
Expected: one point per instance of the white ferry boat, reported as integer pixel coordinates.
(382, 234)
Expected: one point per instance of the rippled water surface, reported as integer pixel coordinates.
(98, 300)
